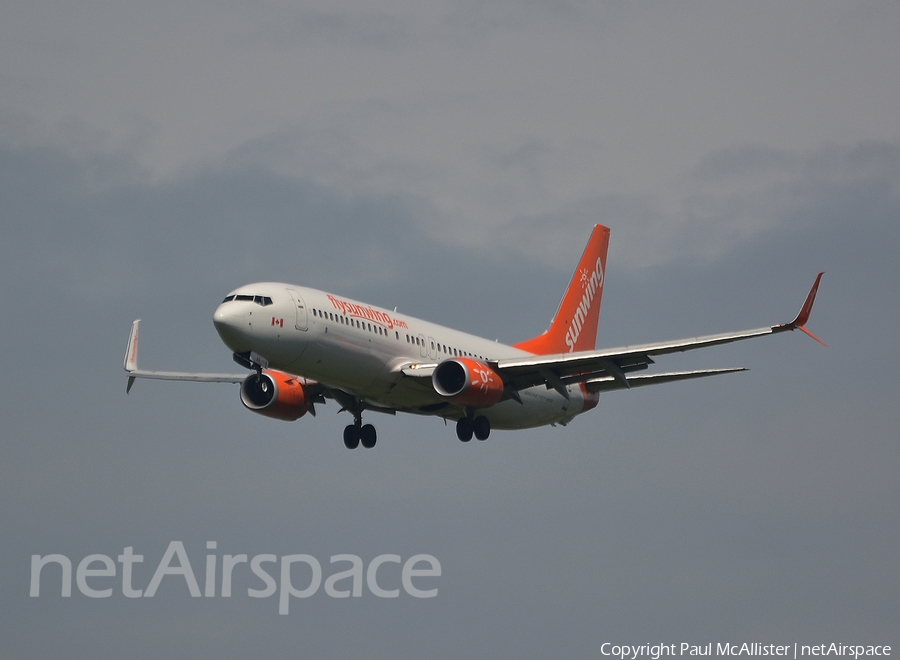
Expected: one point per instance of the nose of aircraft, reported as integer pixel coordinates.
(232, 326)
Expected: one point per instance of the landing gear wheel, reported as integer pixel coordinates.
(481, 427)
(352, 436)
(464, 429)
(367, 436)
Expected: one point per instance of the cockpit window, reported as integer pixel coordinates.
(259, 300)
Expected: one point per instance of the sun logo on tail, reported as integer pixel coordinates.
(585, 277)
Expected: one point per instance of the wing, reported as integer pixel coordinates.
(609, 368)
(131, 367)
(316, 391)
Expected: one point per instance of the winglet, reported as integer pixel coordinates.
(803, 316)
(131, 351)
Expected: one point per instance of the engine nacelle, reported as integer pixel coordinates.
(467, 382)
(275, 394)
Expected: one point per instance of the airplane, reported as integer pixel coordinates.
(303, 346)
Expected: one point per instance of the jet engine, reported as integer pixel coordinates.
(467, 382)
(275, 394)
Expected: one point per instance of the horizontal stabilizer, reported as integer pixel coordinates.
(608, 383)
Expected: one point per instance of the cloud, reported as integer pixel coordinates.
(735, 506)
(380, 30)
(450, 159)
(729, 197)
(488, 18)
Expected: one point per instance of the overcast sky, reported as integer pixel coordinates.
(450, 159)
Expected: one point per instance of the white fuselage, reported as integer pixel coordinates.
(361, 350)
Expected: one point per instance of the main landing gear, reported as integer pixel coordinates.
(467, 426)
(356, 434)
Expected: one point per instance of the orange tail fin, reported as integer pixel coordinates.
(574, 328)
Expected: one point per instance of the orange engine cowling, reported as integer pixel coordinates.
(275, 394)
(467, 382)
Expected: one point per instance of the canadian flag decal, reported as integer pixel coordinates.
(278, 322)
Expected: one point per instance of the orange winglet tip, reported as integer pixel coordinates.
(800, 327)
